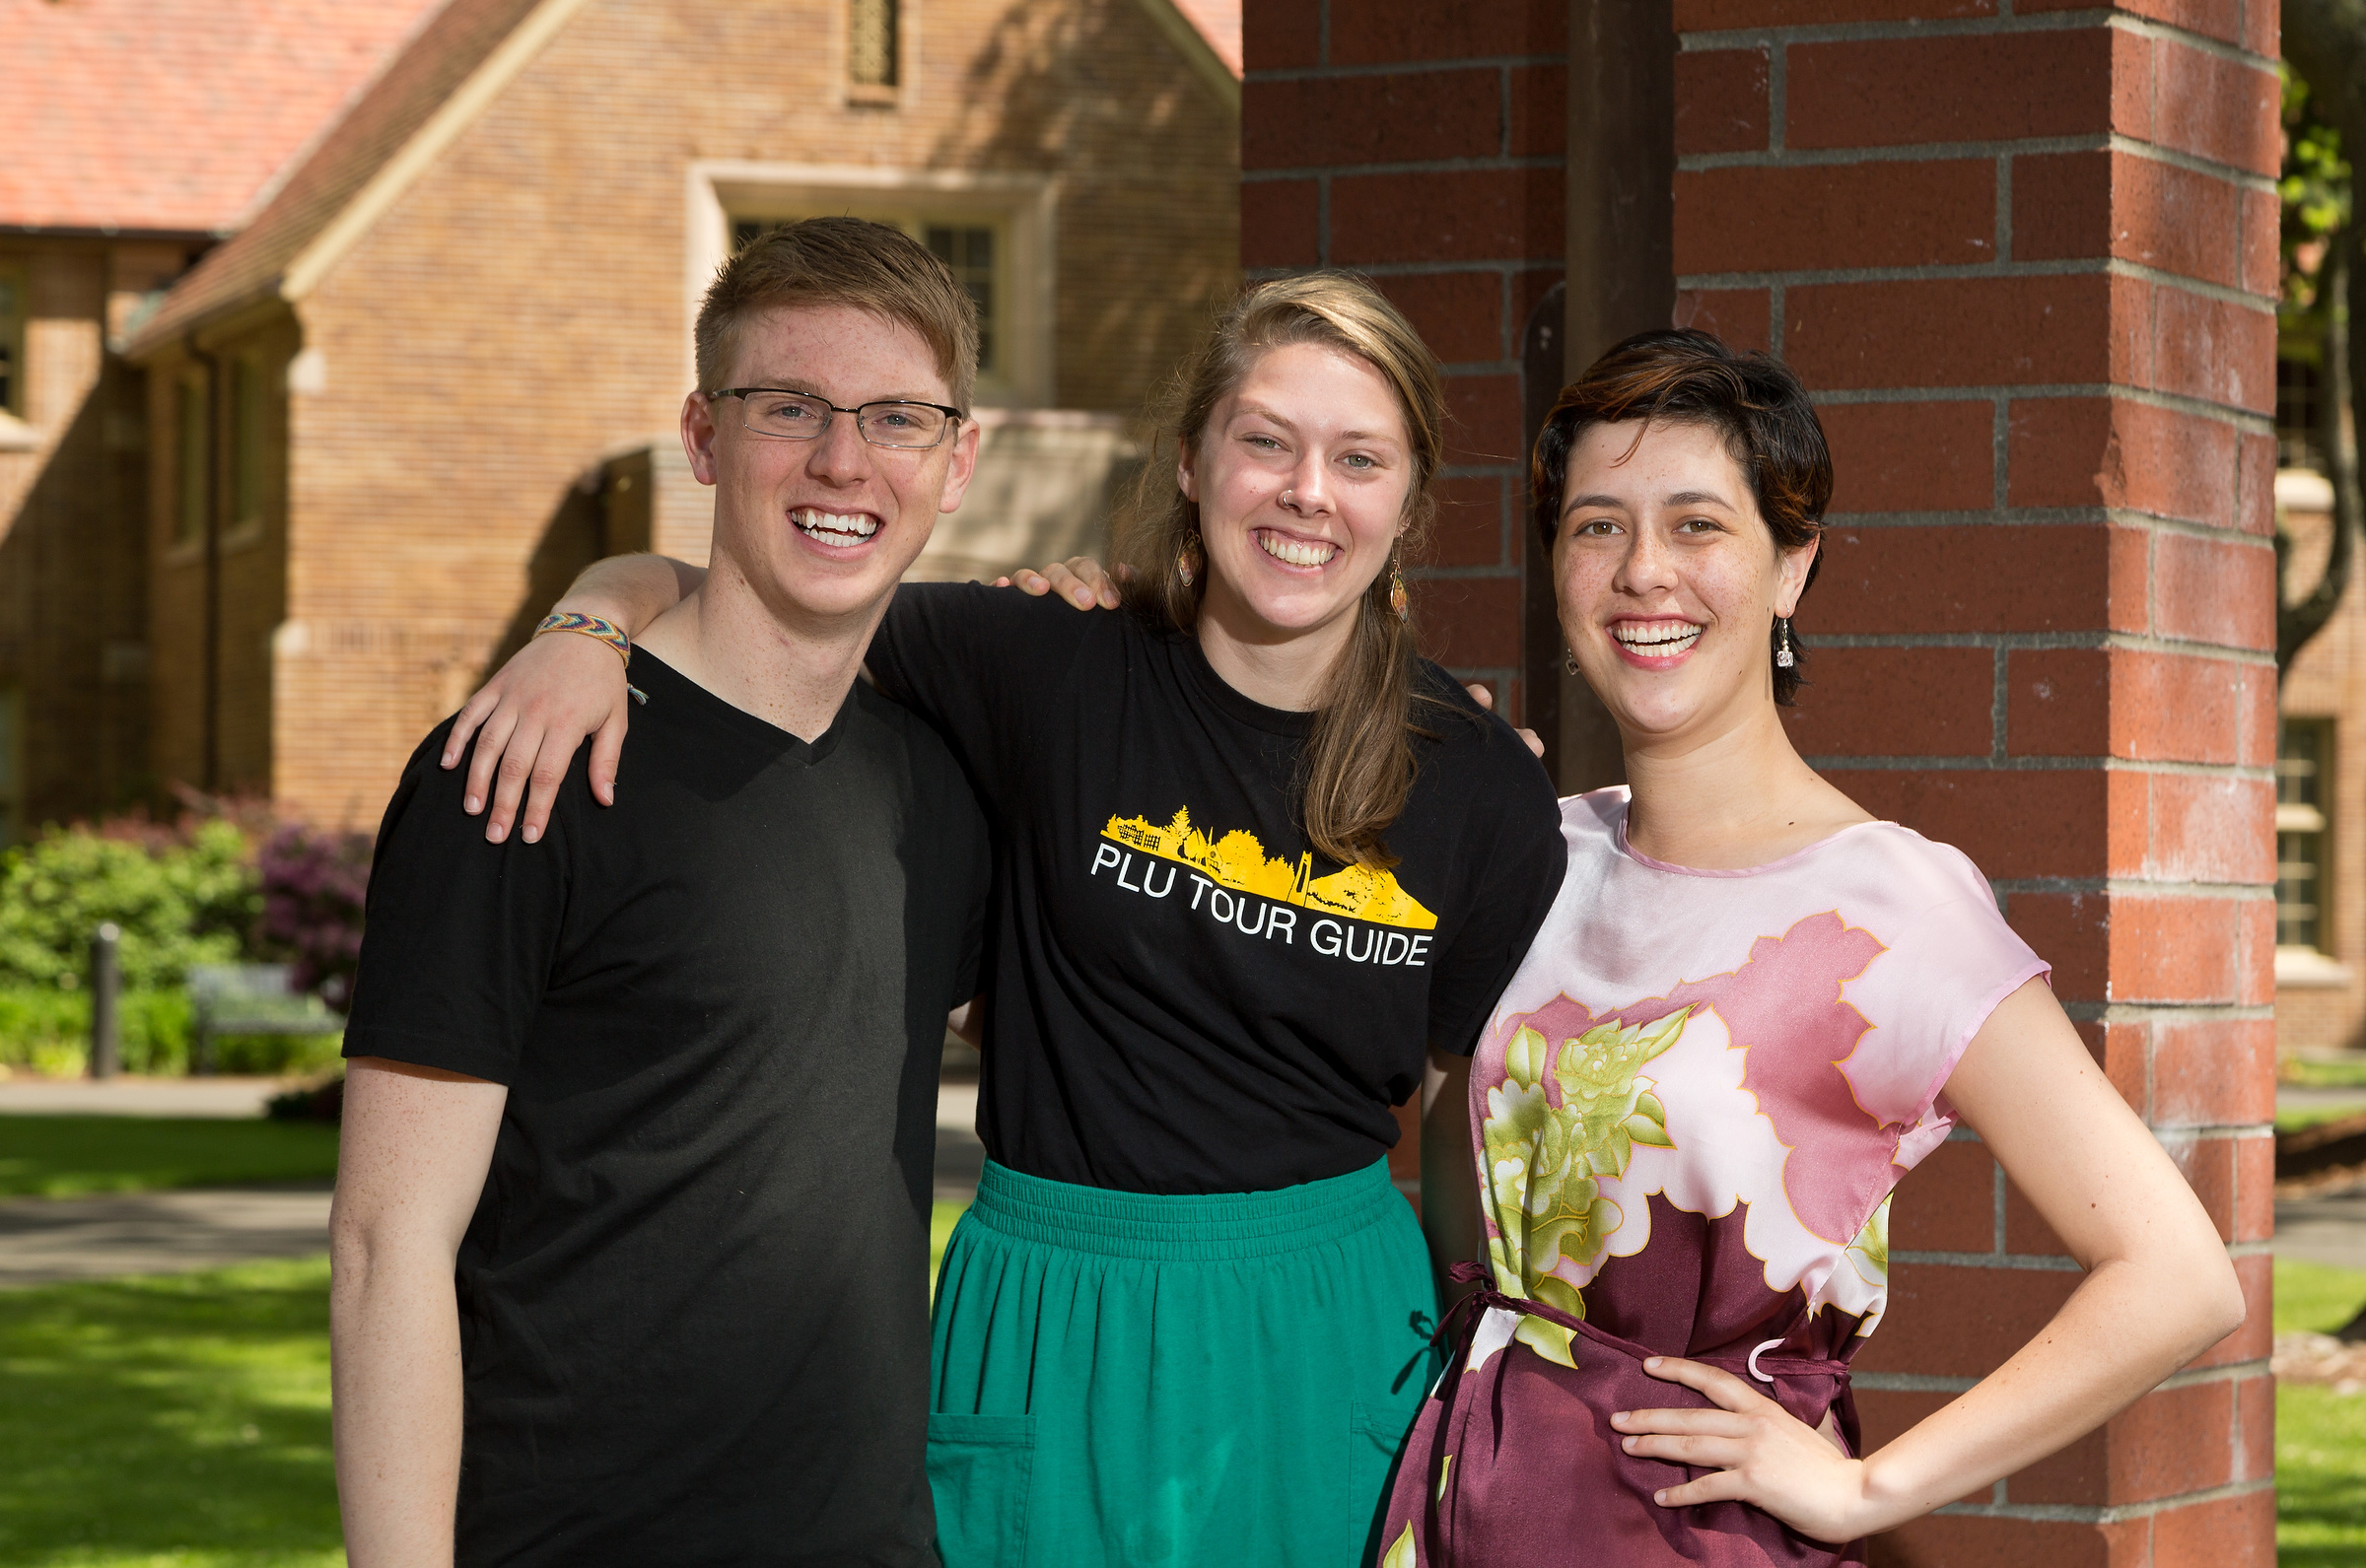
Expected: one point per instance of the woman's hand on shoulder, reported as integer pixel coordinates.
(1080, 579)
(1761, 1454)
(527, 720)
(1485, 697)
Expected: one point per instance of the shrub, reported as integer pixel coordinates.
(180, 898)
(313, 883)
(48, 1031)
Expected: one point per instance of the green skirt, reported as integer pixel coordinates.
(1123, 1378)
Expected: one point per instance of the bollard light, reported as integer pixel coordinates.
(106, 982)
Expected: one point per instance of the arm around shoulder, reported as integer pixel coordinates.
(415, 1146)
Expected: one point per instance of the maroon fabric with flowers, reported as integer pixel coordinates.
(1688, 1116)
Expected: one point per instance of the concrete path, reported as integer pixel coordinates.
(48, 1238)
(227, 1098)
(2331, 1229)
(45, 1239)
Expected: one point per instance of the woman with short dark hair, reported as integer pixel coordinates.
(1752, 1008)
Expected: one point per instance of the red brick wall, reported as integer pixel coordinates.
(1421, 143)
(2027, 262)
(2025, 255)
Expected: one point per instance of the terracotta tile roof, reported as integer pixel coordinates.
(1218, 22)
(428, 70)
(172, 115)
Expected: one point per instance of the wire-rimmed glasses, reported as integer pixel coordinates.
(801, 416)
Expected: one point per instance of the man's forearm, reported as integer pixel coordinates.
(394, 1343)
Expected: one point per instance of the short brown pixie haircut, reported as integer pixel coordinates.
(848, 261)
(1692, 378)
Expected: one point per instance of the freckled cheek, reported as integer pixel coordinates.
(1582, 586)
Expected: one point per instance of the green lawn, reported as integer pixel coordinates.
(182, 1422)
(58, 1156)
(2351, 1075)
(178, 1422)
(2320, 1434)
(2294, 1120)
(174, 1422)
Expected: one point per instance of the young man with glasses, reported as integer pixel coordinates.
(632, 1213)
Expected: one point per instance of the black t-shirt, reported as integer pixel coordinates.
(1184, 999)
(694, 1297)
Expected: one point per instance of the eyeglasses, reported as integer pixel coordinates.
(801, 416)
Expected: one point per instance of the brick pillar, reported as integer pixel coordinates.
(1421, 143)
(2027, 261)
(2025, 252)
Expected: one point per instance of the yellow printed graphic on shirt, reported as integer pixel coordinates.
(1239, 862)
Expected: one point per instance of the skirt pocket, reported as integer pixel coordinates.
(982, 1470)
(1373, 1438)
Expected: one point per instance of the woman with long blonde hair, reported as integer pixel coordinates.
(1262, 871)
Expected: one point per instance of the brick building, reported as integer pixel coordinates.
(101, 209)
(437, 367)
(2025, 253)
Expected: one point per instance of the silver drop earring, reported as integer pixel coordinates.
(1784, 658)
(1568, 661)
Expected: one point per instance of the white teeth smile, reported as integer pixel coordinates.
(835, 529)
(1294, 552)
(1655, 638)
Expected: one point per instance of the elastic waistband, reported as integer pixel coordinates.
(1208, 1227)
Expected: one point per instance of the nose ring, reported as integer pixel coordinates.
(1285, 494)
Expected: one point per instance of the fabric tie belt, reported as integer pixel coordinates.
(1758, 1364)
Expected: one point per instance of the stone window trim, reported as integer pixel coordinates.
(1025, 208)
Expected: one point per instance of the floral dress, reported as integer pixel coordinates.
(1688, 1116)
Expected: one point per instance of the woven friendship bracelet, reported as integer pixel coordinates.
(591, 626)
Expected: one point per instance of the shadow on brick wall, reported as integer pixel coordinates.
(572, 539)
(73, 613)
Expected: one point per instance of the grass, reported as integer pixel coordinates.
(2320, 1434)
(2321, 1074)
(58, 1156)
(178, 1422)
(182, 1422)
(172, 1422)
(2311, 1116)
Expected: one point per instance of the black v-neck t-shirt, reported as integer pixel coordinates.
(1185, 999)
(694, 1296)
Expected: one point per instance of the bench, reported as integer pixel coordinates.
(248, 999)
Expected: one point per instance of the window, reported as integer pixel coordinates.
(969, 251)
(972, 248)
(870, 45)
(11, 776)
(249, 411)
(13, 310)
(193, 469)
(2297, 389)
(2304, 757)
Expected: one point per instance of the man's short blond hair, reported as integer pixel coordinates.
(844, 261)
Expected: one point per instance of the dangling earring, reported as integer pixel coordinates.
(1784, 658)
(1188, 563)
(1396, 600)
(1568, 659)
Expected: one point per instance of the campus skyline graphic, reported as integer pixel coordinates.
(1238, 861)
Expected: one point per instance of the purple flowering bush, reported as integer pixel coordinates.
(314, 881)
